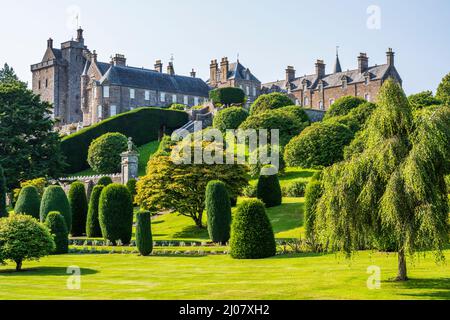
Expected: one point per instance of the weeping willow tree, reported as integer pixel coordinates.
(390, 190)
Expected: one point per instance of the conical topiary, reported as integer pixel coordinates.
(105, 181)
(144, 238)
(79, 207)
(56, 224)
(218, 209)
(269, 191)
(55, 199)
(28, 202)
(93, 229)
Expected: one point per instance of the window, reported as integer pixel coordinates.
(254, 91)
(344, 84)
(100, 112)
(306, 102)
(174, 98)
(105, 92)
(186, 100)
(113, 111)
(367, 97)
(94, 90)
(46, 83)
(163, 97)
(39, 85)
(132, 93)
(147, 95)
(196, 101)
(321, 105)
(247, 90)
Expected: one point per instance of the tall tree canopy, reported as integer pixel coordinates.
(8, 75)
(443, 91)
(391, 187)
(28, 146)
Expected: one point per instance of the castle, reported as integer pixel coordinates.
(85, 90)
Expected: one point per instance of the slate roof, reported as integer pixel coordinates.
(238, 71)
(152, 80)
(57, 53)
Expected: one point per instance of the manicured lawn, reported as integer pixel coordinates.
(292, 175)
(304, 276)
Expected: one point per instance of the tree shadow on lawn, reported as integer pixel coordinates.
(192, 232)
(44, 271)
(441, 285)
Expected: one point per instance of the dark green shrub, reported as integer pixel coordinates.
(267, 102)
(227, 96)
(143, 125)
(104, 181)
(255, 168)
(343, 106)
(116, 213)
(269, 191)
(90, 187)
(144, 239)
(218, 210)
(131, 185)
(57, 226)
(252, 234)
(320, 145)
(93, 229)
(357, 117)
(23, 238)
(78, 204)
(422, 100)
(312, 196)
(55, 199)
(104, 153)
(294, 190)
(3, 211)
(28, 202)
(297, 112)
(230, 118)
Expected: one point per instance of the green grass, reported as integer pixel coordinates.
(292, 175)
(305, 276)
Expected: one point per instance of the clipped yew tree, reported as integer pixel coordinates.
(313, 194)
(131, 185)
(3, 211)
(230, 118)
(116, 213)
(23, 238)
(29, 202)
(268, 190)
(105, 181)
(227, 96)
(144, 239)
(271, 101)
(252, 234)
(56, 224)
(218, 210)
(104, 153)
(55, 199)
(79, 207)
(343, 106)
(93, 229)
(391, 187)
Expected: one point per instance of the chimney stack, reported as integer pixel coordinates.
(213, 69)
(80, 35)
(50, 43)
(224, 68)
(320, 69)
(159, 66)
(390, 57)
(119, 60)
(94, 56)
(363, 62)
(193, 73)
(290, 73)
(171, 69)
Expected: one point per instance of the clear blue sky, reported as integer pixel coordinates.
(267, 34)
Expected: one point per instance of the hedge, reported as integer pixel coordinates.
(57, 226)
(104, 181)
(268, 190)
(144, 239)
(93, 229)
(29, 202)
(3, 211)
(55, 199)
(218, 210)
(79, 207)
(143, 125)
(271, 101)
(116, 213)
(227, 96)
(230, 118)
(252, 234)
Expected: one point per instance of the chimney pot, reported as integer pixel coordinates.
(193, 73)
(363, 62)
(290, 73)
(320, 69)
(390, 57)
(50, 43)
(159, 66)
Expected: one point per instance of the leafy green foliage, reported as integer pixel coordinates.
(295, 189)
(23, 238)
(265, 152)
(227, 96)
(312, 196)
(57, 226)
(104, 153)
(218, 209)
(40, 184)
(177, 106)
(29, 202)
(252, 234)
(29, 147)
(422, 100)
(343, 106)
(55, 199)
(93, 229)
(104, 181)
(443, 91)
(319, 145)
(267, 102)
(144, 240)
(230, 118)
(116, 213)
(8, 75)
(143, 125)
(79, 206)
(356, 119)
(131, 185)
(392, 188)
(269, 190)
(3, 211)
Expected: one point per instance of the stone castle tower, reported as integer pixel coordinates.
(57, 78)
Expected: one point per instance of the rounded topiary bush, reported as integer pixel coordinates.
(144, 239)
(227, 96)
(312, 195)
(116, 213)
(79, 206)
(218, 210)
(93, 229)
(297, 112)
(131, 185)
(55, 199)
(230, 118)
(319, 145)
(105, 181)
(104, 153)
(267, 102)
(343, 106)
(57, 226)
(294, 190)
(29, 202)
(3, 211)
(268, 190)
(252, 234)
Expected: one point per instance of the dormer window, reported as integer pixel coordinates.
(106, 92)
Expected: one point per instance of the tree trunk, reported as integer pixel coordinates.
(402, 271)
(19, 265)
(198, 220)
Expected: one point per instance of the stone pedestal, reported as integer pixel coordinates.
(130, 166)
